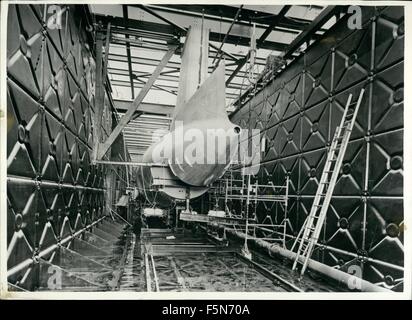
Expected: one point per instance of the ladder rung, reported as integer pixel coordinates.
(316, 217)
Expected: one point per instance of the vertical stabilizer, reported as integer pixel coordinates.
(194, 66)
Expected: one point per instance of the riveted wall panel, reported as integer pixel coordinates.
(364, 224)
(53, 189)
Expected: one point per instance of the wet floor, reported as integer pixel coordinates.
(113, 258)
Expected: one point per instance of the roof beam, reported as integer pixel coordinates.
(306, 35)
(225, 38)
(103, 148)
(270, 28)
(182, 30)
(245, 41)
(259, 42)
(310, 30)
(162, 30)
(156, 86)
(155, 14)
(229, 12)
(121, 83)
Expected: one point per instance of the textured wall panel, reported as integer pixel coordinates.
(52, 188)
(303, 106)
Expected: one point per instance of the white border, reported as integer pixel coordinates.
(407, 294)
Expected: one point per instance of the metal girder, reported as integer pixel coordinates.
(139, 43)
(140, 84)
(310, 30)
(152, 108)
(229, 12)
(156, 86)
(306, 35)
(164, 30)
(122, 83)
(99, 101)
(150, 62)
(106, 53)
(182, 30)
(226, 35)
(273, 24)
(147, 74)
(137, 164)
(103, 148)
(259, 42)
(245, 41)
(129, 58)
(155, 14)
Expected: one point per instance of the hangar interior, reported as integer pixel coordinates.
(90, 88)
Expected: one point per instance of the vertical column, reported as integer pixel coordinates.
(99, 99)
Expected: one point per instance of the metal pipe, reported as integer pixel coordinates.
(124, 163)
(49, 183)
(28, 262)
(335, 274)
(347, 253)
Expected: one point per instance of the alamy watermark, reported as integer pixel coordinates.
(54, 281)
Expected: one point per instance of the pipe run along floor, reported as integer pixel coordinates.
(112, 258)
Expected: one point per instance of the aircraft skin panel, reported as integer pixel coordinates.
(200, 123)
(194, 66)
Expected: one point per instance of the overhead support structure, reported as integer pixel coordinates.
(219, 12)
(146, 108)
(219, 51)
(106, 54)
(129, 57)
(159, 16)
(103, 148)
(157, 87)
(275, 23)
(260, 41)
(309, 33)
(182, 30)
(99, 101)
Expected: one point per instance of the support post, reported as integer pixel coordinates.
(129, 57)
(99, 101)
(106, 53)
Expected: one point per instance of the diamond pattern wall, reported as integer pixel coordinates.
(52, 188)
(298, 114)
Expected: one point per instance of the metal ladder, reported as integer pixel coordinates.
(309, 233)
